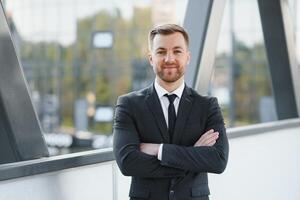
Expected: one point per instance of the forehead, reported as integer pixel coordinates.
(169, 41)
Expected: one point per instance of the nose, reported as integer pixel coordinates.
(169, 57)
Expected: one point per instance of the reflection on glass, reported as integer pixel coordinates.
(79, 56)
(241, 78)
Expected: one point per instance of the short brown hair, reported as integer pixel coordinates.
(167, 29)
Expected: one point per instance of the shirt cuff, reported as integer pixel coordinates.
(159, 155)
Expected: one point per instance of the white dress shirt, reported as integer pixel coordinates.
(164, 102)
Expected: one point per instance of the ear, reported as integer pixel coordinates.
(188, 57)
(150, 58)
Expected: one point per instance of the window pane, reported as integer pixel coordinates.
(241, 79)
(79, 56)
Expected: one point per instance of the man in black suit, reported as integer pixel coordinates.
(167, 136)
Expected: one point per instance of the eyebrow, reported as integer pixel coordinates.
(162, 48)
(178, 47)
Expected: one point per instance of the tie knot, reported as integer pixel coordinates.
(171, 97)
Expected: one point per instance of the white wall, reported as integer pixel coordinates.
(265, 166)
(93, 182)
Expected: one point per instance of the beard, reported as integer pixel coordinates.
(170, 75)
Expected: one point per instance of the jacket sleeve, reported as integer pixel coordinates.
(126, 143)
(201, 159)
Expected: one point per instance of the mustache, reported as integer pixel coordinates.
(170, 66)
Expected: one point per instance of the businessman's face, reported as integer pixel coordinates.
(169, 56)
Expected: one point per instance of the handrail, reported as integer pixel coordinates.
(61, 162)
(262, 128)
(54, 163)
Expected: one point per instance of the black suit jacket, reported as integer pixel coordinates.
(182, 173)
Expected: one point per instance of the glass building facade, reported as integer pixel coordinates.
(78, 56)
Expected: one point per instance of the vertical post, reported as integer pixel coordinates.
(202, 21)
(20, 132)
(232, 67)
(279, 42)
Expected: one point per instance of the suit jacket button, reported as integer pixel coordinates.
(172, 192)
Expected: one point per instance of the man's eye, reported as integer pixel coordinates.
(177, 52)
(160, 52)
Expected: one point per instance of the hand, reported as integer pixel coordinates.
(149, 148)
(207, 139)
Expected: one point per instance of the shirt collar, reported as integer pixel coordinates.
(162, 91)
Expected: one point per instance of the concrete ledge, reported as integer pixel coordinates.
(55, 163)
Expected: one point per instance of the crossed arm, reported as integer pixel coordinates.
(207, 139)
(208, 154)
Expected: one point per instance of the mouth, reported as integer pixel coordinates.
(170, 67)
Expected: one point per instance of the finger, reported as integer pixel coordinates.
(207, 133)
(212, 140)
(208, 139)
(207, 142)
(211, 136)
(212, 143)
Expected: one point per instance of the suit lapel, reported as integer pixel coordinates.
(154, 106)
(184, 109)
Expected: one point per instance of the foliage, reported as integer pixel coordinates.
(73, 71)
(251, 81)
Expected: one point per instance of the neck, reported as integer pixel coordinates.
(170, 86)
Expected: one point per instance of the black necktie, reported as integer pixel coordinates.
(171, 114)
